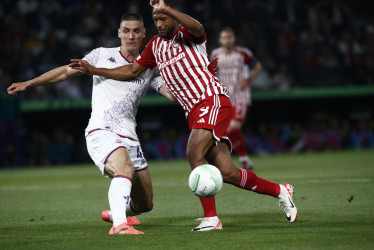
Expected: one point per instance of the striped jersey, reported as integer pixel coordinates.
(183, 63)
(233, 68)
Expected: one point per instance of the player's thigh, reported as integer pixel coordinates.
(199, 142)
(220, 157)
(142, 191)
(119, 163)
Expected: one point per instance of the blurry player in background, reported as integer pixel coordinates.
(111, 138)
(180, 53)
(233, 62)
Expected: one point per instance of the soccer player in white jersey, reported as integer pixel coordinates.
(233, 62)
(179, 51)
(110, 135)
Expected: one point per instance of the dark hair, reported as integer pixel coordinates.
(228, 29)
(131, 16)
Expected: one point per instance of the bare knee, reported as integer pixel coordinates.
(231, 176)
(119, 164)
(194, 156)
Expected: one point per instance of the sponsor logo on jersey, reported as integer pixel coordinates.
(118, 141)
(171, 61)
(139, 80)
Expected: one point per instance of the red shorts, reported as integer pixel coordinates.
(213, 113)
(240, 112)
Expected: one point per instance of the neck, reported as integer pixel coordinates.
(228, 50)
(129, 55)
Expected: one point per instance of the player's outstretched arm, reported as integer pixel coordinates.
(191, 24)
(122, 73)
(56, 75)
(164, 91)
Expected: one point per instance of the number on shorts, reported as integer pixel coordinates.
(139, 153)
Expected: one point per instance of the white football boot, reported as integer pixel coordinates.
(208, 224)
(286, 202)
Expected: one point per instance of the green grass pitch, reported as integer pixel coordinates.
(59, 207)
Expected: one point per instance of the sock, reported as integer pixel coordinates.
(130, 210)
(245, 159)
(119, 196)
(209, 206)
(237, 138)
(250, 181)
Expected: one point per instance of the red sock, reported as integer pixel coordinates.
(237, 139)
(250, 181)
(209, 206)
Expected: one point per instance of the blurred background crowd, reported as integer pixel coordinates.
(300, 44)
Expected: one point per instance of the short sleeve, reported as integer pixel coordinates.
(248, 57)
(92, 57)
(188, 37)
(156, 83)
(147, 59)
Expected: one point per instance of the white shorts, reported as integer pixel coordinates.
(102, 143)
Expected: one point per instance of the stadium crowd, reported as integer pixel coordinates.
(316, 42)
(313, 43)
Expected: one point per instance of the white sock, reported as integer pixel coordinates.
(119, 196)
(245, 159)
(129, 210)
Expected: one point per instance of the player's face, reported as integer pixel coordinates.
(131, 34)
(166, 26)
(227, 39)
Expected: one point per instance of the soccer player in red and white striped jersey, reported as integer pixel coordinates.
(180, 53)
(233, 62)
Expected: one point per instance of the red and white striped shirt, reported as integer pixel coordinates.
(232, 70)
(183, 63)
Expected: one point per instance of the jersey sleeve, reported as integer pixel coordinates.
(147, 58)
(189, 37)
(156, 83)
(249, 58)
(92, 57)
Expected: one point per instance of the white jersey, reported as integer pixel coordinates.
(115, 103)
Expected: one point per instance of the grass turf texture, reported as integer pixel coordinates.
(60, 207)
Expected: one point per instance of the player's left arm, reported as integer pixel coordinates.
(192, 25)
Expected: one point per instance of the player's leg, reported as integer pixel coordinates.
(109, 153)
(199, 142)
(120, 167)
(236, 136)
(142, 192)
(141, 200)
(219, 156)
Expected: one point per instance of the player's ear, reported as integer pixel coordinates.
(144, 32)
(119, 32)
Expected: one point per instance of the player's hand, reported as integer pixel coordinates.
(82, 66)
(245, 83)
(17, 87)
(158, 5)
(214, 65)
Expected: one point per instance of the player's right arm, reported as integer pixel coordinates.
(123, 73)
(56, 75)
